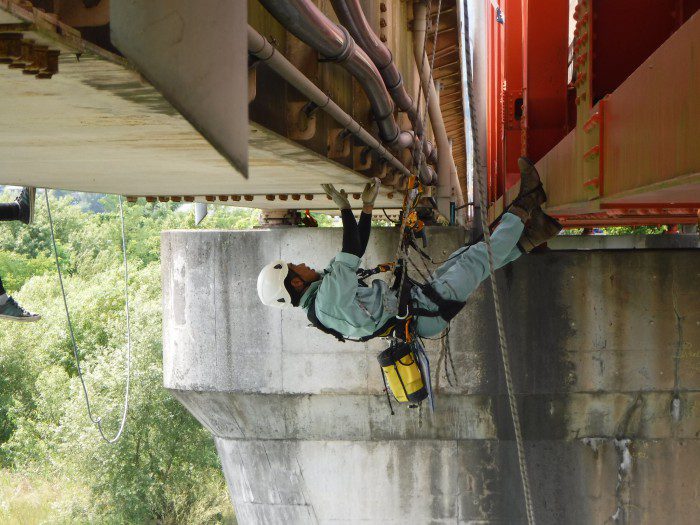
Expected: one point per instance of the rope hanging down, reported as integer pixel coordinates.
(98, 420)
(413, 192)
(503, 343)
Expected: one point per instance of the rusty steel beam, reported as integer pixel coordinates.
(261, 48)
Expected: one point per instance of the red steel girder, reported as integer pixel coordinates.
(620, 47)
(643, 137)
(582, 222)
(546, 34)
(527, 95)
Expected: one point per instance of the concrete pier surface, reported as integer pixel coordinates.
(605, 351)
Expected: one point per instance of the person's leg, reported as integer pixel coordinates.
(20, 210)
(429, 326)
(452, 259)
(514, 254)
(468, 269)
(10, 310)
(9, 211)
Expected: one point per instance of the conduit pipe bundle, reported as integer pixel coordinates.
(352, 17)
(306, 21)
(259, 47)
(447, 171)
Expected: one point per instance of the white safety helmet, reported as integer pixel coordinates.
(271, 289)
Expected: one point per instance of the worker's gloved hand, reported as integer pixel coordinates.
(369, 194)
(339, 197)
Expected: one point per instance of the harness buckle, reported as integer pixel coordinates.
(403, 317)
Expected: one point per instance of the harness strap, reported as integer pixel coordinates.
(447, 308)
(400, 325)
(313, 319)
(382, 331)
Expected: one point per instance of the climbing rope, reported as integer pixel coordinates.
(499, 12)
(413, 188)
(503, 343)
(98, 420)
(410, 200)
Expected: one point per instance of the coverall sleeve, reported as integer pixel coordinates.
(338, 288)
(364, 228)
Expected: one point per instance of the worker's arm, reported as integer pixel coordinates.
(336, 303)
(364, 228)
(351, 234)
(369, 195)
(355, 237)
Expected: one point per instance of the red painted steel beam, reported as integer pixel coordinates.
(644, 138)
(632, 153)
(494, 124)
(649, 205)
(633, 217)
(578, 222)
(652, 120)
(512, 92)
(627, 32)
(546, 34)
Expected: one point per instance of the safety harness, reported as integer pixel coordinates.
(399, 325)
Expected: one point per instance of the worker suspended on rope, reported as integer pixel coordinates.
(20, 210)
(337, 304)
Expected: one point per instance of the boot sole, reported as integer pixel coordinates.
(32, 202)
(528, 162)
(554, 222)
(541, 196)
(32, 319)
(529, 166)
(525, 243)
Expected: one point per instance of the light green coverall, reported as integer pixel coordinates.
(356, 311)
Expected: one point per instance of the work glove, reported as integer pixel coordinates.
(339, 197)
(369, 194)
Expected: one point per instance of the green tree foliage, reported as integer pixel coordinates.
(165, 468)
(622, 230)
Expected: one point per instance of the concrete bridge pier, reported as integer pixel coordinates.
(605, 352)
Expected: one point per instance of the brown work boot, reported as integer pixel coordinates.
(531, 194)
(538, 230)
(530, 180)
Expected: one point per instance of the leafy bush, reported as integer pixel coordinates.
(165, 468)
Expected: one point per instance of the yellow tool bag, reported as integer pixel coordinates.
(402, 373)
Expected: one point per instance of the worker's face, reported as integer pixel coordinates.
(303, 276)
